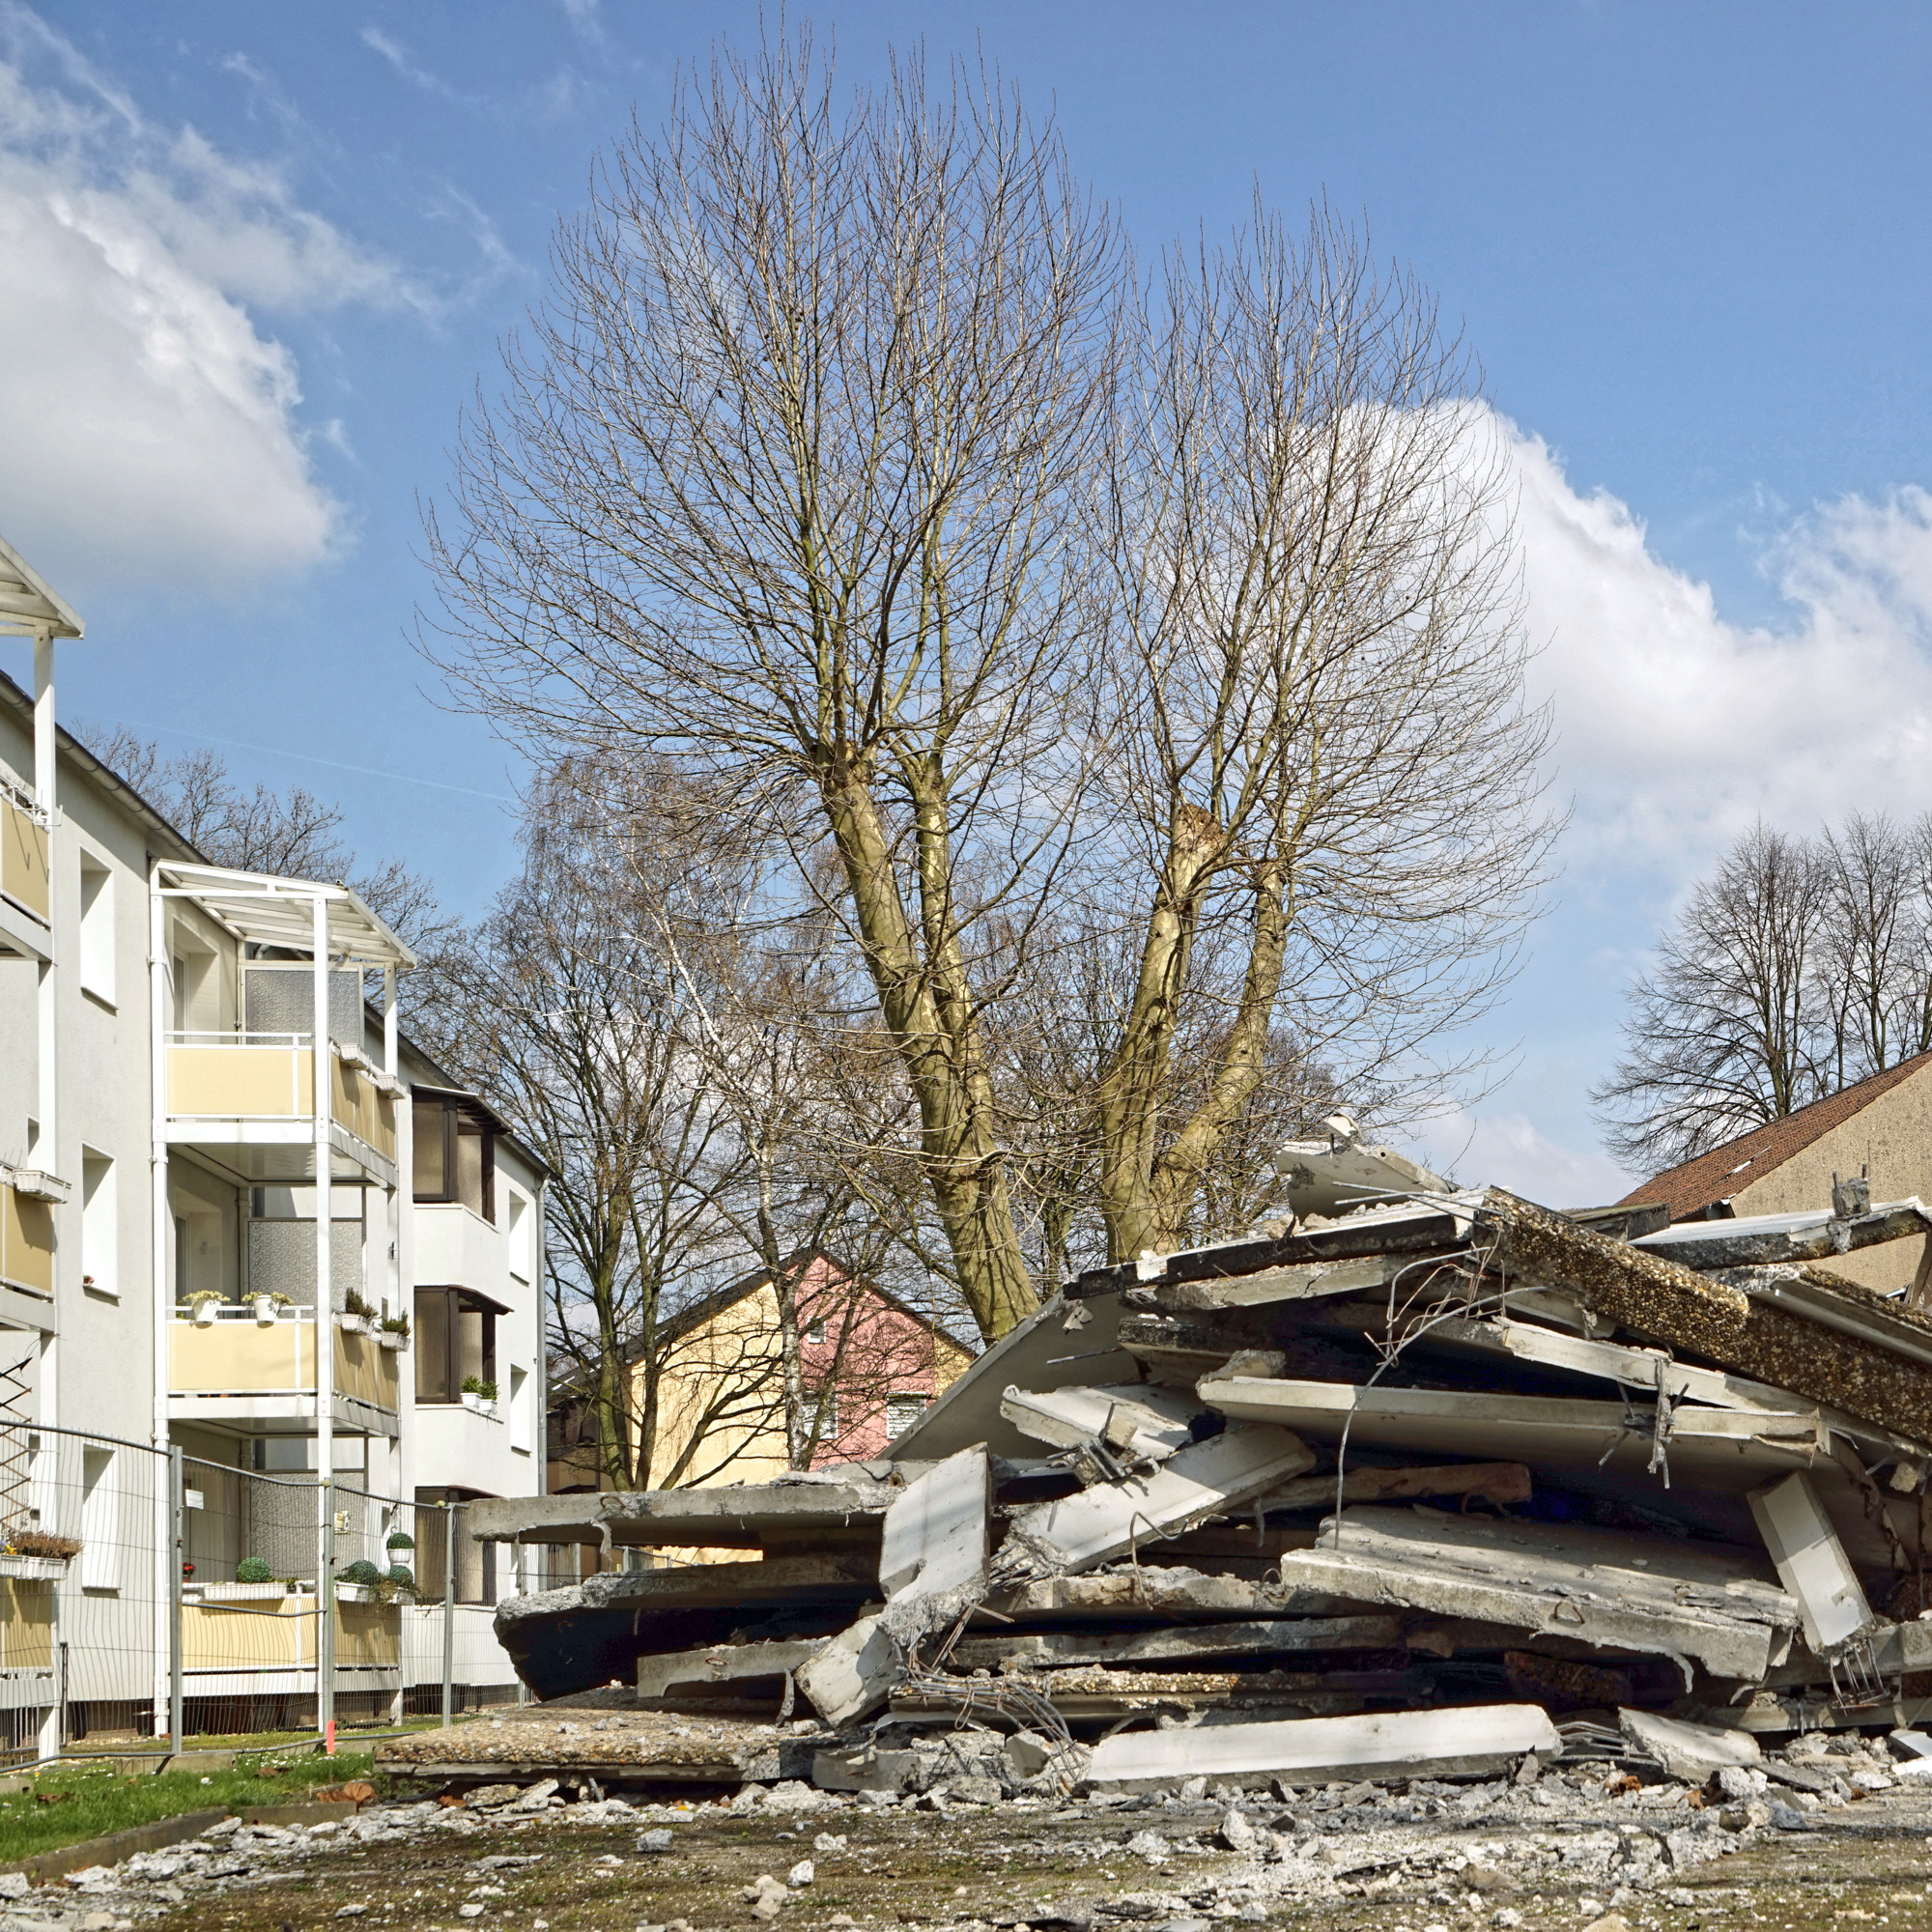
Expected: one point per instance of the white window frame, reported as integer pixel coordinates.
(97, 929)
(918, 1396)
(99, 1519)
(100, 1223)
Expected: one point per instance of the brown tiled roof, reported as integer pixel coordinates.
(1714, 1176)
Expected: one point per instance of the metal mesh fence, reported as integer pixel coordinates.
(139, 1591)
(85, 1601)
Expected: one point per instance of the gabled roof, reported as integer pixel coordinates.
(1727, 1170)
(29, 604)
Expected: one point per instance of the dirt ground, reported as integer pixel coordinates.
(1868, 1864)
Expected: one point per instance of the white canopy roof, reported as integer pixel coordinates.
(281, 912)
(28, 605)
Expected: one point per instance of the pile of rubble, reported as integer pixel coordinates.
(1417, 1483)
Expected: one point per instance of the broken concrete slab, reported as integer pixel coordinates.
(934, 1539)
(1691, 1752)
(720, 1663)
(854, 1673)
(735, 1515)
(1598, 1587)
(1475, 1741)
(1811, 1563)
(1329, 1176)
(1314, 1281)
(1498, 1483)
(1758, 1239)
(1058, 1650)
(1670, 1304)
(1135, 1418)
(1107, 1521)
(1064, 1343)
(593, 1632)
(1704, 1445)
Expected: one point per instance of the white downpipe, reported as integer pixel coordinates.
(324, 1341)
(47, 1152)
(167, 1590)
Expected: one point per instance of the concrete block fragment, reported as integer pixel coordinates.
(1474, 1741)
(935, 1535)
(1079, 1533)
(853, 1674)
(1811, 1562)
(1687, 1750)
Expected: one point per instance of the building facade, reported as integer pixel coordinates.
(269, 1281)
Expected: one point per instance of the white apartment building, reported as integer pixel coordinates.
(241, 1219)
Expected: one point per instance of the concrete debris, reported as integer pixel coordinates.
(1385, 1491)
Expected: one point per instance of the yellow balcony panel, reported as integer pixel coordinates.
(26, 1624)
(362, 1107)
(240, 1358)
(366, 1369)
(368, 1636)
(26, 1240)
(23, 857)
(249, 1627)
(242, 1081)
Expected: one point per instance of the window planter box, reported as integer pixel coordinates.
(38, 1567)
(391, 1341)
(353, 1325)
(240, 1593)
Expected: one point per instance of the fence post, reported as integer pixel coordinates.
(325, 1640)
(448, 1612)
(178, 1516)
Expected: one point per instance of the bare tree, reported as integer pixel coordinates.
(1328, 761)
(816, 480)
(788, 488)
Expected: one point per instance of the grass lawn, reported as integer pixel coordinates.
(70, 1803)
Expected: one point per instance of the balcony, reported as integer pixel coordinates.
(26, 1642)
(253, 1095)
(232, 1632)
(23, 854)
(237, 1369)
(26, 1240)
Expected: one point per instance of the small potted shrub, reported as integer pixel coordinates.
(401, 1577)
(394, 1332)
(356, 1314)
(202, 1304)
(268, 1306)
(400, 1538)
(254, 1570)
(479, 1396)
(358, 1582)
(253, 1582)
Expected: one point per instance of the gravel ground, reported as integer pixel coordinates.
(1558, 1852)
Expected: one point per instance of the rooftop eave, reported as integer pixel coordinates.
(29, 605)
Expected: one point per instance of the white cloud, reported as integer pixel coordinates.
(152, 429)
(1508, 1149)
(1676, 727)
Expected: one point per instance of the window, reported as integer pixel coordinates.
(814, 1329)
(455, 1337)
(520, 1411)
(97, 929)
(825, 1417)
(902, 1411)
(455, 1154)
(476, 1562)
(100, 1223)
(519, 1238)
(99, 1523)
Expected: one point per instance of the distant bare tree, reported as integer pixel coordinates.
(1800, 967)
(291, 833)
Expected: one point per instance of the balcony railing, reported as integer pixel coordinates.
(266, 1626)
(23, 853)
(237, 1355)
(26, 1240)
(270, 1077)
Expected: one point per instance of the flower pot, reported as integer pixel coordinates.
(353, 1325)
(203, 1313)
(243, 1593)
(389, 1339)
(25, 1567)
(264, 1309)
(479, 1404)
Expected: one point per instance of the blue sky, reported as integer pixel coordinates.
(259, 259)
